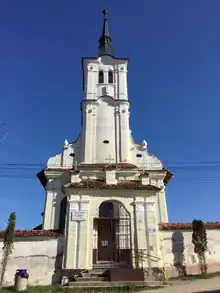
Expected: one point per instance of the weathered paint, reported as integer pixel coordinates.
(173, 241)
(41, 256)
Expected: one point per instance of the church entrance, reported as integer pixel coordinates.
(112, 236)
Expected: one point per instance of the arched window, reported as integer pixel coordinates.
(101, 76)
(106, 209)
(110, 77)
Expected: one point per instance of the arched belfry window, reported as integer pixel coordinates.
(110, 76)
(101, 76)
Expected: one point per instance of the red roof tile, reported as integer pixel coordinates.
(187, 226)
(41, 175)
(33, 233)
(111, 166)
(100, 184)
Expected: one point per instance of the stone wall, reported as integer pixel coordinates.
(41, 252)
(41, 256)
(178, 248)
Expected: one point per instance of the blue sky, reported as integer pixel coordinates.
(174, 90)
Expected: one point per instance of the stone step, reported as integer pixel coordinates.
(97, 271)
(97, 284)
(89, 279)
(92, 274)
(81, 274)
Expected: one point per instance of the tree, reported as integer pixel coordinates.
(199, 239)
(8, 244)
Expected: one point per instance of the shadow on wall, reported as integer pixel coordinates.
(56, 277)
(178, 252)
(62, 214)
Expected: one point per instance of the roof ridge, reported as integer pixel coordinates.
(34, 233)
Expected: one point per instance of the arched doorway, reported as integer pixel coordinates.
(112, 236)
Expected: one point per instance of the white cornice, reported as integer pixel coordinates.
(54, 174)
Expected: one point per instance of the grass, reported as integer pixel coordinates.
(58, 289)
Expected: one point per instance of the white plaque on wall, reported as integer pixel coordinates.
(150, 206)
(78, 216)
(139, 207)
(74, 206)
(152, 231)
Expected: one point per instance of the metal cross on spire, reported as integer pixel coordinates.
(110, 160)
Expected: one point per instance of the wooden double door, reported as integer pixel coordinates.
(107, 239)
(113, 235)
(112, 246)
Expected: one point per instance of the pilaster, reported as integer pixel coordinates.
(124, 132)
(110, 176)
(146, 227)
(162, 206)
(53, 198)
(140, 229)
(71, 236)
(77, 232)
(48, 210)
(91, 241)
(84, 239)
(152, 230)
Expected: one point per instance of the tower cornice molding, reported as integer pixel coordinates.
(95, 101)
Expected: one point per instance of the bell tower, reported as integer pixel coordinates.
(105, 107)
(105, 165)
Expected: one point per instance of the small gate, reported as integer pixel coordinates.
(112, 236)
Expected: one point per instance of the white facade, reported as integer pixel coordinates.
(106, 135)
(105, 139)
(105, 164)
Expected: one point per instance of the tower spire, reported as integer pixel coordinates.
(105, 47)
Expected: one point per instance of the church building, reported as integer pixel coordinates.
(105, 192)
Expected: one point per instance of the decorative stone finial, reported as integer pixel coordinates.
(144, 144)
(66, 142)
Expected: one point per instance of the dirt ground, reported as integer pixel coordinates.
(211, 285)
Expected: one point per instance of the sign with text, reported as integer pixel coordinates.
(152, 231)
(78, 216)
(150, 206)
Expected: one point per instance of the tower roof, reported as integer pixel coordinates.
(105, 47)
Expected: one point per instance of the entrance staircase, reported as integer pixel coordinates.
(96, 278)
(90, 278)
